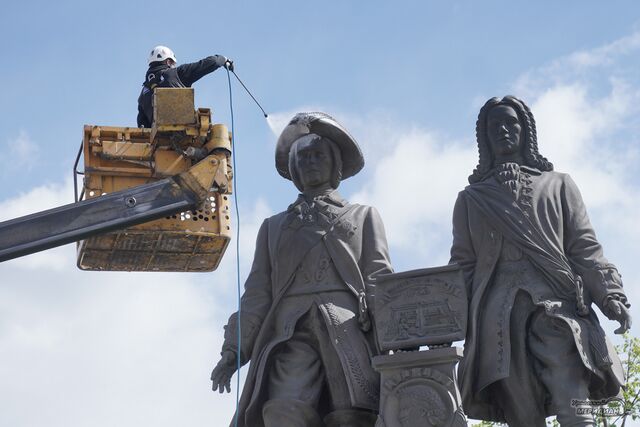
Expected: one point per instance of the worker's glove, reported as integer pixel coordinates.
(221, 60)
(224, 370)
(229, 65)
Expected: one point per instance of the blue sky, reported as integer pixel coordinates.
(407, 78)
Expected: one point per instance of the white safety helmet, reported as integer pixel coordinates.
(160, 53)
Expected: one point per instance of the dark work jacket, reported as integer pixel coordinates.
(160, 74)
(555, 225)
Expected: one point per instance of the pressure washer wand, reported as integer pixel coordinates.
(250, 94)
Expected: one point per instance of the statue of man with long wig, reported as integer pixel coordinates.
(534, 271)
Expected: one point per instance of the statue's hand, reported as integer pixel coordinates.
(222, 373)
(616, 310)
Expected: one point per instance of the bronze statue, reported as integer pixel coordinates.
(533, 268)
(304, 318)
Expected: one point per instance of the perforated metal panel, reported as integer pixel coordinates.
(191, 241)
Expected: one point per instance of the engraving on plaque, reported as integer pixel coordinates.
(421, 319)
(420, 307)
(417, 397)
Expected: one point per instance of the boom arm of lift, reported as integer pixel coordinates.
(122, 209)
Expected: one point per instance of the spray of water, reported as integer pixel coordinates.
(272, 125)
(277, 121)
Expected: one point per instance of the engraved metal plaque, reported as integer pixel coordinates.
(420, 307)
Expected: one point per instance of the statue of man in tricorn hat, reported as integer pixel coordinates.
(533, 268)
(304, 321)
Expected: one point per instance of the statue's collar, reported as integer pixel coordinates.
(331, 197)
(523, 168)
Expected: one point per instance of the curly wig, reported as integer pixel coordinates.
(530, 140)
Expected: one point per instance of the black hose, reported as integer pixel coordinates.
(250, 94)
(76, 173)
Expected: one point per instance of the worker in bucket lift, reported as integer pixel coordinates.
(163, 72)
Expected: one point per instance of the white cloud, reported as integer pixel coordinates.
(20, 152)
(577, 132)
(414, 188)
(38, 199)
(581, 66)
(585, 107)
(106, 349)
(603, 55)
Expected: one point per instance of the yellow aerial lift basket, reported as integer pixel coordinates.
(117, 158)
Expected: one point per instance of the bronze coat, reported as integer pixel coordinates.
(357, 245)
(557, 211)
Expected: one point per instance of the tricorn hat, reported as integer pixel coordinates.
(323, 125)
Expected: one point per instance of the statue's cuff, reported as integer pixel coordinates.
(617, 297)
(249, 331)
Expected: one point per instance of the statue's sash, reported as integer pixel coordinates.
(504, 213)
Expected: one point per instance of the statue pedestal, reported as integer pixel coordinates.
(419, 388)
